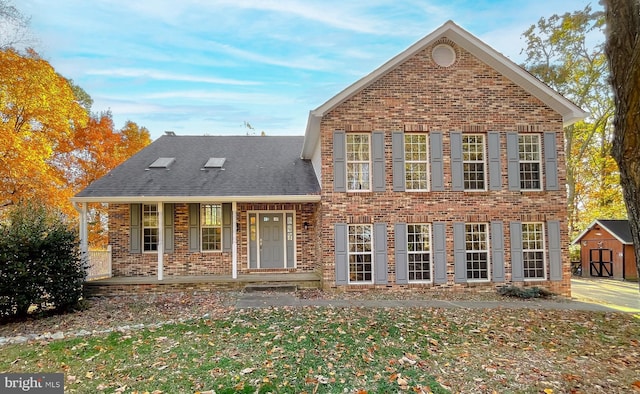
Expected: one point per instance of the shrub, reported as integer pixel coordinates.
(525, 292)
(40, 265)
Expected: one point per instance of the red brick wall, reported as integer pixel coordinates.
(421, 96)
(184, 263)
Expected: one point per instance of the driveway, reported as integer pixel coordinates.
(622, 296)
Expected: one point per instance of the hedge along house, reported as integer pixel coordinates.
(606, 250)
(442, 168)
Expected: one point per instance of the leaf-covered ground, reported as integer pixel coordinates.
(329, 350)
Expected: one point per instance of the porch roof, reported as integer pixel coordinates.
(258, 169)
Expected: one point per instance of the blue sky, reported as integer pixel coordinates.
(208, 66)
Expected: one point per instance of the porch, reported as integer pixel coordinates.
(115, 286)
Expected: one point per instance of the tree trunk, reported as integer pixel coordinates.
(623, 51)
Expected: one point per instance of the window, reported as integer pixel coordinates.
(358, 162)
(533, 250)
(360, 253)
(150, 227)
(419, 252)
(211, 227)
(530, 163)
(477, 251)
(473, 161)
(416, 160)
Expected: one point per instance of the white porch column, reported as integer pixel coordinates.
(160, 240)
(84, 232)
(234, 241)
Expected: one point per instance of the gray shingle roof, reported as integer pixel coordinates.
(619, 228)
(254, 166)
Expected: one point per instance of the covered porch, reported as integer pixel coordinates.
(115, 286)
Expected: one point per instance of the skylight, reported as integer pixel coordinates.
(215, 162)
(162, 162)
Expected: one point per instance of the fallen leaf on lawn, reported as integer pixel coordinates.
(322, 379)
(247, 371)
(548, 391)
(636, 385)
(89, 375)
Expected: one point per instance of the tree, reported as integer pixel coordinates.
(567, 52)
(90, 160)
(38, 116)
(14, 27)
(623, 52)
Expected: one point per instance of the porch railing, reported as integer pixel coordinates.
(99, 264)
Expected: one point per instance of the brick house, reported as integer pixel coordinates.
(443, 168)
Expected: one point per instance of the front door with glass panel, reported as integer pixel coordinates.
(271, 240)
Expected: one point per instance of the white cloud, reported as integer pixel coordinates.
(165, 76)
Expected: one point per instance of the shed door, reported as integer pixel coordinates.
(601, 263)
(271, 240)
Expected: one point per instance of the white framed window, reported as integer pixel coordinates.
(474, 162)
(360, 252)
(150, 231)
(477, 251)
(211, 227)
(530, 161)
(533, 251)
(416, 162)
(358, 162)
(419, 252)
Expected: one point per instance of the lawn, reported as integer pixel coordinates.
(353, 350)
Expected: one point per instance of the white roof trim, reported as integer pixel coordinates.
(590, 227)
(570, 112)
(188, 199)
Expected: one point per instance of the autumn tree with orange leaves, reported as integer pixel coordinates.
(38, 118)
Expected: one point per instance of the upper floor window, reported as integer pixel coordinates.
(416, 159)
(473, 159)
(477, 251)
(211, 227)
(533, 250)
(358, 162)
(150, 227)
(360, 251)
(419, 252)
(530, 161)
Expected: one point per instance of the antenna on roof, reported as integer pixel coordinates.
(170, 133)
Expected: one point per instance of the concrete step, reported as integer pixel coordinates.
(273, 287)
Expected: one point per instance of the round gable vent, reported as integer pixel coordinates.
(444, 55)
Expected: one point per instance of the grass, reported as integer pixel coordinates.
(353, 350)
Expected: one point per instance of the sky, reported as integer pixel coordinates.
(213, 67)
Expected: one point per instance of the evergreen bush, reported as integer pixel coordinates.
(40, 264)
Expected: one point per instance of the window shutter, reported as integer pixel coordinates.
(227, 231)
(517, 266)
(168, 228)
(457, 173)
(555, 251)
(437, 167)
(513, 162)
(551, 161)
(342, 259)
(459, 253)
(380, 257)
(377, 149)
(495, 168)
(135, 232)
(439, 253)
(497, 251)
(400, 233)
(397, 146)
(194, 227)
(339, 162)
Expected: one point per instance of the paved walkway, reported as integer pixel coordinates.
(272, 299)
(616, 294)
